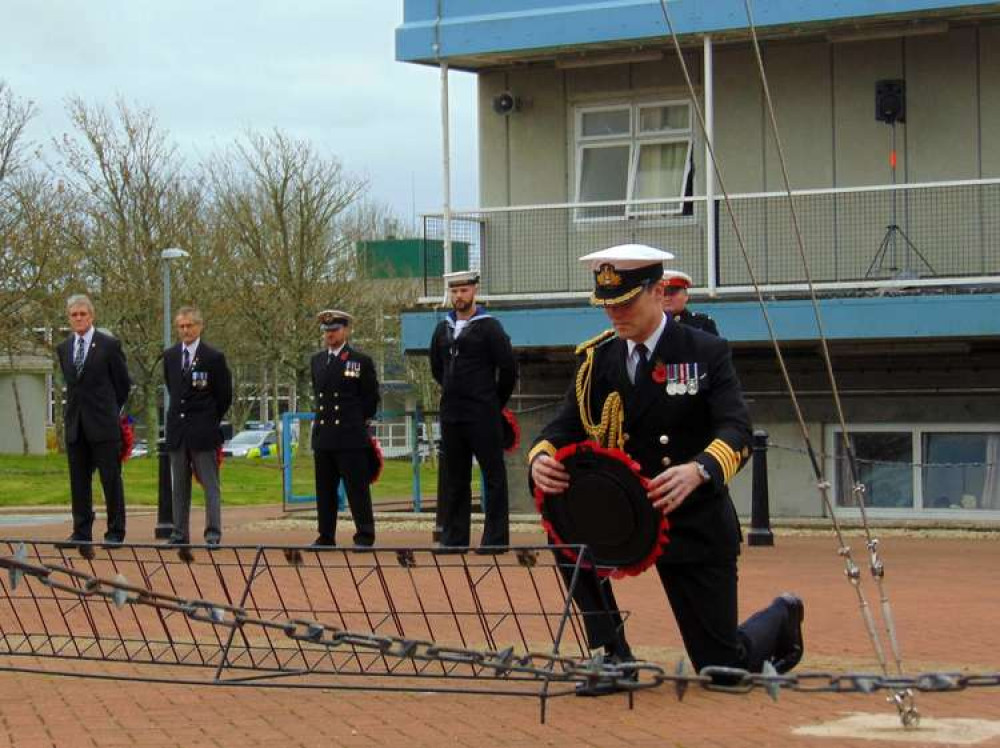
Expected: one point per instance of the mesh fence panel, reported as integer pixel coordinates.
(948, 230)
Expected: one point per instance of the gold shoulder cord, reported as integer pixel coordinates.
(607, 433)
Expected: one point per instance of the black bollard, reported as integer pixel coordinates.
(760, 515)
(164, 499)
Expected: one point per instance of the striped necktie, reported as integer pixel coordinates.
(78, 357)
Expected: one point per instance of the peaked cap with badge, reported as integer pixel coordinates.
(623, 271)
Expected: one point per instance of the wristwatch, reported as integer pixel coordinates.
(703, 472)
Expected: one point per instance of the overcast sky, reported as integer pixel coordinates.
(323, 70)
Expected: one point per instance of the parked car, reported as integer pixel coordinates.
(258, 426)
(139, 449)
(252, 443)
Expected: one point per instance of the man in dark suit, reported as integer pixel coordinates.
(668, 396)
(472, 360)
(346, 391)
(201, 390)
(97, 386)
(675, 299)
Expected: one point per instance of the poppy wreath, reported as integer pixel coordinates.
(511, 431)
(126, 425)
(643, 544)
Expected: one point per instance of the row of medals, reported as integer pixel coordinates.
(682, 379)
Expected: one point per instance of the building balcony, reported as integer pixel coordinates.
(855, 240)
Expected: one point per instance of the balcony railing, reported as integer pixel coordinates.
(906, 235)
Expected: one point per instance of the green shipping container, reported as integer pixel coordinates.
(409, 258)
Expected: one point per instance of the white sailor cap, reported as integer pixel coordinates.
(333, 319)
(461, 278)
(621, 272)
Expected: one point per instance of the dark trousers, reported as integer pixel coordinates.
(703, 599)
(460, 442)
(84, 458)
(351, 465)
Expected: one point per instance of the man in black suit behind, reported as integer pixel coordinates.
(97, 386)
(201, 391)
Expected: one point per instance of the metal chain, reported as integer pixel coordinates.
(595, 672)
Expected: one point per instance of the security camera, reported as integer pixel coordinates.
(506, 103)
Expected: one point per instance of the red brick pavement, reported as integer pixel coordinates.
(945, 593)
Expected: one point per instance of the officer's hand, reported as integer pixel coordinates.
(669, 489)
(549, 474)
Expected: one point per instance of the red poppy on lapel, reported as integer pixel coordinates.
(343, 356)
(659, 373)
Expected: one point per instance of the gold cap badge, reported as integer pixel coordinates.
(607, 277)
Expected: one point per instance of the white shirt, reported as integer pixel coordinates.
(332, 352)
(192, 349)
(632, 358)
(460, 325)
(88, 338)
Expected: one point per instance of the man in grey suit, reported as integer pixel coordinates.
(97, 385)
(201, 391)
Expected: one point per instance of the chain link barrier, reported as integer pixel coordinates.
(597, 673)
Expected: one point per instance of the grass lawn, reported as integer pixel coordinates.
(44, 480)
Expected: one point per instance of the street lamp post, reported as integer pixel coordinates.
(164, 509)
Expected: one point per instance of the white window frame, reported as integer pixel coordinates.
(633, 139)
(832, 435)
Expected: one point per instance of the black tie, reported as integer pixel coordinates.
(329, 358)
(187, 361)
(641, 366)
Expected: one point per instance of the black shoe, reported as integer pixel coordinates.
(491, 550)
(110, 539)
(324, 542)
(72, 541)
(446, 550)
(213, 540)
(177, 541)
(790, 646)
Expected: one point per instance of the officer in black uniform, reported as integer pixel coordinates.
(668, 395)
(472, 360)
(675, 299)
(346, 392)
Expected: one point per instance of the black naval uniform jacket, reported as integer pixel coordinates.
(710, 425)
(199, 398)
(476, 370)
(96, 397)
(347, 397)
(698, 321)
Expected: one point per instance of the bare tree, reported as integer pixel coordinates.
(133, 200)
(278, 209)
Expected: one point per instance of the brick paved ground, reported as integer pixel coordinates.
(945, 592)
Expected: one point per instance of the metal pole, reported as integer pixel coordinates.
(164, 499)
(760, 518)
(415, 456)
(446, 169)
(710, 235)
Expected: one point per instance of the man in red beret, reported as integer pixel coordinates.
(675, 299)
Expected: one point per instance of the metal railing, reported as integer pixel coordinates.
(912, 234)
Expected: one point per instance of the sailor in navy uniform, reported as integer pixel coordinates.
(668, 395)
(675, 299)
(473, 361)
(346, 391)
